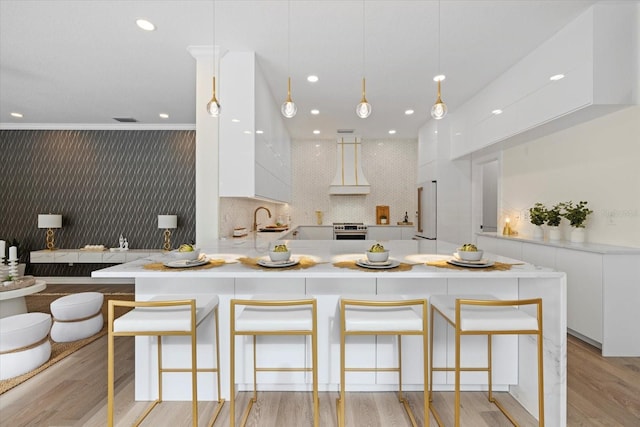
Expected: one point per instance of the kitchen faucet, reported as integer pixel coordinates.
(255, 215)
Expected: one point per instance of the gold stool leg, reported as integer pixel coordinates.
(232, 367)
(110, 367)
(217, 371)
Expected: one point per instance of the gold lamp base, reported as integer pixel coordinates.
(167, 240)
(50, 239)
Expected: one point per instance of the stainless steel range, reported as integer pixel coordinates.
(349, 231)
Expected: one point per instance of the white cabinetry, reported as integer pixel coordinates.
(255, 147)
(596, 54)
(314, 232)
(390, 232)
(602, 286)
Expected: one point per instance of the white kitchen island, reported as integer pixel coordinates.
(514, 358)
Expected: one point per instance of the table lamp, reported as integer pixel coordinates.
(50, 221)
(167, 222)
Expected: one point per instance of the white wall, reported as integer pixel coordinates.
(597, 161)
(389, 165)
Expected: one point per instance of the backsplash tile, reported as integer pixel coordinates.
(390, 166)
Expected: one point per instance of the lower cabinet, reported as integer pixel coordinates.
(602, 287)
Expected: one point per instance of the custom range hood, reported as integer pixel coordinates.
(349, 179)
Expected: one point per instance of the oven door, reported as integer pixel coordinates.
(349, 236)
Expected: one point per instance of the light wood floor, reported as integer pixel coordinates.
(601, 392)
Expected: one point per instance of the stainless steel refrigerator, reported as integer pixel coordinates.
(427, 211)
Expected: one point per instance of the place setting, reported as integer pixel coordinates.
(279, 257)
(186, 257)
(376, 258)
(468, 256)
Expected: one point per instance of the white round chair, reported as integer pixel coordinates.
(24, 343)
(77, 316)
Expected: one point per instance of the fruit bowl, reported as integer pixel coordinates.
(379, 256)
(188, 255)
(470, 255)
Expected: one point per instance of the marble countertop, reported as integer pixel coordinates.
(324, 253)
(585, 247)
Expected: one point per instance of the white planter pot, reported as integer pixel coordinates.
(577, 234)
(554, 233)
(538, 232)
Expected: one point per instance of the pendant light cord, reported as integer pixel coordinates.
(289, 38)
(438, 36)
(364, 50)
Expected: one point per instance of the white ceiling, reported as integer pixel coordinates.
(85, 62)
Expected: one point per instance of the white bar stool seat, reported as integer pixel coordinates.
(167, 315)
(383, 315)
(274, 315)
(487, 315)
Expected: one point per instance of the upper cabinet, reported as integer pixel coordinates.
(255, 147)
(598, 55)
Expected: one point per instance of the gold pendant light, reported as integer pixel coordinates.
(363, 109)
(289, 108)
(213, 107)
(439, 109)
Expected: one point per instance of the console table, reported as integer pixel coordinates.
(82, 256)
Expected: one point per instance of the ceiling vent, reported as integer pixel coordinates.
(346, 131)
(349, 179)
(125, 119)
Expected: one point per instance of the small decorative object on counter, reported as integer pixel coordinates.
(506, 231)
(319, 217)
(537, 217)
(406, 217)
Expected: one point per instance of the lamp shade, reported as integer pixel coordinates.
(167, 221)
(49, 221)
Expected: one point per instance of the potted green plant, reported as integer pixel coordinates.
(537, 217)
(576, 215)
(554, 216)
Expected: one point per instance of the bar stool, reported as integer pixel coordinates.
(174, 315)
(486, 315)
(264, 315)
(383, 316)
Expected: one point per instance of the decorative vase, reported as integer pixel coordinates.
(554, 233)
(577, 234)
(538, 232)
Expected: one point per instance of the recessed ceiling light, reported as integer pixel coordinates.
(316, 132)
(458, 133)
(235, 120)
(163, 115)
(315, 112)
(17, 115)
(259, 132)
(312, 78)
(409, 112)
(439, 78)
(435, 131)
(556, 77)
(145, 25)
(392, 132)
(248, 132)
(496, 112)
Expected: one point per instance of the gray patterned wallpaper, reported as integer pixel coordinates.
(103, 182)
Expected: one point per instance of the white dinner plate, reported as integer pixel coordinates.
(266, 262)
(186, 263)
(391, 263)
(477, 264)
